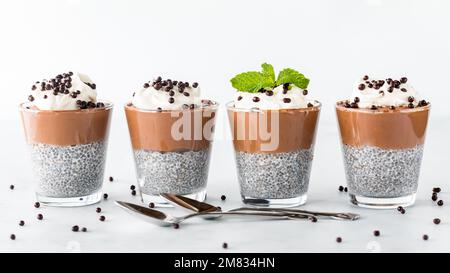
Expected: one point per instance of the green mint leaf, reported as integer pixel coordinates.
(268, 71)
(289, 75)
(248, 82)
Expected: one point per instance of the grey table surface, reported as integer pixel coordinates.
(123, 233)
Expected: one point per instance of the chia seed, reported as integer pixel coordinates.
(172, 172)
(276, 175)
(68, 171)
(382, 173)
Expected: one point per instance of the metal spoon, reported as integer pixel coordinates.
(164, 219)
(198, 206)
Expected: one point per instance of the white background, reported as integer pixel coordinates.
(122, 44)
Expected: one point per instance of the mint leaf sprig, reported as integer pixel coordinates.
(254, 81)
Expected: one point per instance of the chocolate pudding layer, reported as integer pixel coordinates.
(152, 130)
(385, 127)
(252, 129)
(65, 127)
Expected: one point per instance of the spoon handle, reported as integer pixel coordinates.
(279, 215)
(334, 215)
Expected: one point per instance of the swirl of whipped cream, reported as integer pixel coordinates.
(167, 95)
(369, 93)
(285, 96)
(68, 91)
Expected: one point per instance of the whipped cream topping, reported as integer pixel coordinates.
(370, 93)
(162, 94)
(286, 96)
(67, 91)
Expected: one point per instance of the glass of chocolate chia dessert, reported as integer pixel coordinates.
(382, 130)
(273, 126)
(171, 130)
(66, 129)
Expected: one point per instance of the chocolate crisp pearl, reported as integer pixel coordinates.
(437, 190)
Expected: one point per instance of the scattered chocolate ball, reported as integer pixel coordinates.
(224, 245)
(255, 99)
(365, 77)
(75, 228)
(37, 205)
(361, 86)
(223, 197)
(146, 85)
(313, 219)
(133, 192)
(341, 188)
(310, 104)
(132, 187)
(195, 84)
(437, 190)
(399, 208)
(339, 240)
(111, 179)
(40, 216)
(151, 205)
(98, 210)
(239, 98)
(102, 218)
(21, 223)
(11, 187)
(84, 229)
(105, 196)
(176, 226)
(434, 197)
(171, 100)
(440, 203)
(376, 233)
(356, 99)
(425, 237)
(12, 237)
(403, 80)
(345, 189)
(305, 92)
(436, 221)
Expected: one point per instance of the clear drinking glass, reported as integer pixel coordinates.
(172, 150)
(382, 152)
(68, 153)
(274, 152)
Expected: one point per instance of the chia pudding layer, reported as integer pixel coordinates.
(382, 173)
(172, 172)
(274, 175)
(68, 171)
